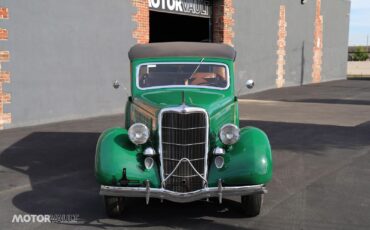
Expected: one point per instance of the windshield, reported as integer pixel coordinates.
(183, 74)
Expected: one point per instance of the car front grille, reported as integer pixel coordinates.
(184, 144)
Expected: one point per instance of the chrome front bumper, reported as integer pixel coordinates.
(161, 193)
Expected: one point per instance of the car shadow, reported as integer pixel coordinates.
(60, 166)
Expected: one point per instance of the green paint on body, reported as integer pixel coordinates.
(248, 162)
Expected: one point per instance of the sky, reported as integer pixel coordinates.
(360, 22)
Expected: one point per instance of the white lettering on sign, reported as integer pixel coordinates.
(154, 3)
(179, 6)
(171, 4)
(200, 8)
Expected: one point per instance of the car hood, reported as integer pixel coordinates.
(211, 101)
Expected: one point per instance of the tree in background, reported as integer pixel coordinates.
(360, 54)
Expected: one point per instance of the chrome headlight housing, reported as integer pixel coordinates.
(138, 133)
(229, 134)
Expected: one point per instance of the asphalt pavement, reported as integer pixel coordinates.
(320, 136)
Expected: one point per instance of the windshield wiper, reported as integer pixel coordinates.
(196, 69)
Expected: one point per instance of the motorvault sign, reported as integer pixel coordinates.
(199, 8)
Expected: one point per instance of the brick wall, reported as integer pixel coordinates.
(318, 44)
(4, 13)
(3, 34)
(141, 18)
(222, 22)
(282, 34)
(5, 118)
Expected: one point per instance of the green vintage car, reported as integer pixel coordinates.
(181, 141)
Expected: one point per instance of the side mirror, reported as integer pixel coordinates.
(116, 84)
(249, 84)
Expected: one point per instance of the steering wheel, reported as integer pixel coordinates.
(217, 82)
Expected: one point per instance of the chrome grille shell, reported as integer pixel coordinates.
(189, 166)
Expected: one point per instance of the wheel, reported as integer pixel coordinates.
(114, 206)
(252, 204)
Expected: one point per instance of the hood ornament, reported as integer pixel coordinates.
(183, 105)
(183, 97)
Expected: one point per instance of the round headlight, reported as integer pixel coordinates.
(229, 134)
(138, 133)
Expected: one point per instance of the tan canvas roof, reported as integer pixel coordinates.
(182, 49)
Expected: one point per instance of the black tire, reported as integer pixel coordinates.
(252, 204)
(114, 206)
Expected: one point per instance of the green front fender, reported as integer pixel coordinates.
(248, 162)
(114, 152)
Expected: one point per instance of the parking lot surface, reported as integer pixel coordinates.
(320, 136)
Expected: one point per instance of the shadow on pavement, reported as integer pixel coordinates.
(354, 92)
(332, 101)
(60, 169)
(311, 138)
